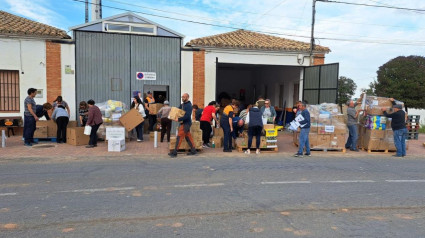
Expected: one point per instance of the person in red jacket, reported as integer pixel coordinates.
(94, 120)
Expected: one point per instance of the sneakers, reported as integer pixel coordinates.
(173, 154)
(307, 154)
(298, 155)
(247, 151)
(205, 146)
(89, 146)
(192, 152)
(257, 151)
(28, 144)
(138, 140)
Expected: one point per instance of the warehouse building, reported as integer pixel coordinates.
(125, 53)
(245, 65)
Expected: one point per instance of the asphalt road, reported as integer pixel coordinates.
(264, 196)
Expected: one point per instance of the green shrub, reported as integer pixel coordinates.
(422, 129)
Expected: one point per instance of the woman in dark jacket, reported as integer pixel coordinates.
(254, 119)
(94, 120)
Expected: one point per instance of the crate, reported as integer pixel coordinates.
(413, 118)
(412, 136)
(271, 132)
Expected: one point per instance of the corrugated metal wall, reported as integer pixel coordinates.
(106, 65)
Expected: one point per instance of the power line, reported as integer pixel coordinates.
(371, 5)
(263, 32)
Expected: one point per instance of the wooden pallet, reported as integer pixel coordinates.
(49, 139)
(262, 150)
(378, 151)
(343, 150)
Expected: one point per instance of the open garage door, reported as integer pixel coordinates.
(321, 83)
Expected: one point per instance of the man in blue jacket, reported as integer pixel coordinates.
(305, 130)
(184, 128)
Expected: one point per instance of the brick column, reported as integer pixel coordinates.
(319, 59)
(53, 71)
(198, 78)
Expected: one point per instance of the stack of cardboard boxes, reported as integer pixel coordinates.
(328, 127)
(196, 132)
(217, 139)
(375, 131)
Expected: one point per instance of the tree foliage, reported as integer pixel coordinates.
(346, 89)
(402, 78)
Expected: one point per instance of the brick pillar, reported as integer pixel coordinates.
(319, 59)
(53, 71)
(198, 78)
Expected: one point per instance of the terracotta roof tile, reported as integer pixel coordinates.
(242, 39)
(13, 25)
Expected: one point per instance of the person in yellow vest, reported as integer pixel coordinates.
(152, 118)
(226, 123)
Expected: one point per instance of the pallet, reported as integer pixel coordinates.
(343, 150)
(378, 151)
(49, 139)
(412, 136)
(262, 150)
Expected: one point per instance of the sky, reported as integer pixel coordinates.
(361, 38)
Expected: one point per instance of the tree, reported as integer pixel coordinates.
(403, 78)
(346, 89)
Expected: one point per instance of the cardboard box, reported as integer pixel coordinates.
(154, 108)
(40, 132)
(72, 124)
(175, 113)
(295, 137)
(184, 145)
(75, 136)
(52, 128)
(152, 136)
(131, 119)
(374, 134)
(117, 133)
(320, 141)
(218, 141)
(268, 126)
(263, 142)
(116, 145)
(337, 141)
(218, 132)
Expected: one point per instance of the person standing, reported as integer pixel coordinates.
(42, 110)
(398, 125)
(30, 117)
(305, 130)
(61, 117)
(184, 128)
(83, 111)
(269, 113)
(138, 105)
(94, 120)
(254, 119)
(197, 113)
(226, 123)
(206, 122)
(352, 115)
(152, 118)
(59, 101)
(165, 121)
(260, 102)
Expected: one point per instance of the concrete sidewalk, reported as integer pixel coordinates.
(15, 149)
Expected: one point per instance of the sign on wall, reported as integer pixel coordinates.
(146, 75)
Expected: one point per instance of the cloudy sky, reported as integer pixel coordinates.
(361, 38)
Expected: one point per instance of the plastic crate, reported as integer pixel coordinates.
(271, 132)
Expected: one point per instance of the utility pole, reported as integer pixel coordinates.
(313, 18)
(87, 11)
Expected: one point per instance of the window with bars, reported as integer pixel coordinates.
(9, 91)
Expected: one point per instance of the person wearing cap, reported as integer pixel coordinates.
(152, 118)
(398, 124)
(165, 121)
(352, 115)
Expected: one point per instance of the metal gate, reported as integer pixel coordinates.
(321, 83)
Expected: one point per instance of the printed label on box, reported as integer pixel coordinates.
(329, 129)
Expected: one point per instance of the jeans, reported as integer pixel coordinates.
(62, 123)
(152, 121)
(93, 134)
(400, 141)
(139, 130)
(227, 141)
(352, 138)
(206, 131)
(254, 131)
(304, 141)
(29, 128)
